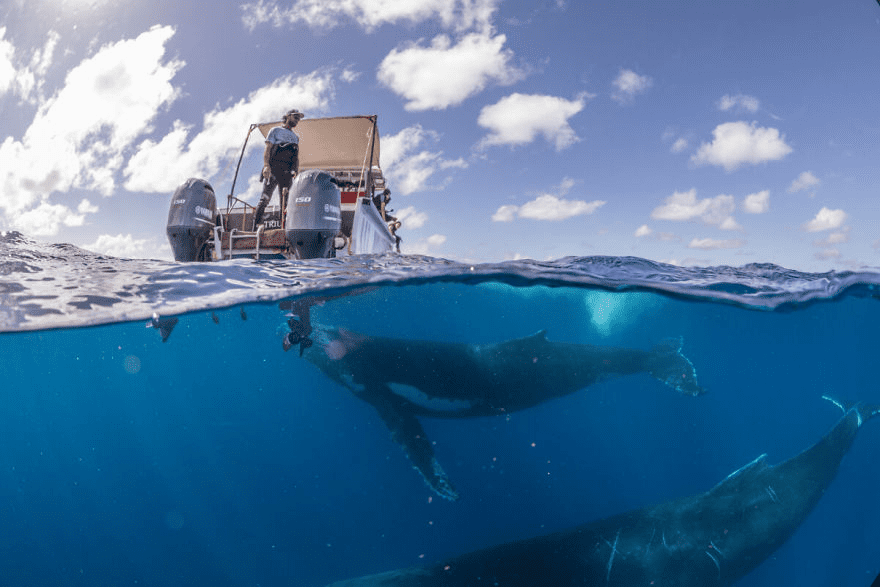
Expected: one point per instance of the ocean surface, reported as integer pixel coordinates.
(218, 458)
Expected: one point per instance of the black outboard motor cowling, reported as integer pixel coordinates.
(191, 219)
(313, 215)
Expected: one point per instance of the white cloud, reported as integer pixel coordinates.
(46, 219)
(730, 223)
(549, 207)
(505, 213)
(713, 244)
(411, 218)
(409, 168)
(424, 246)
(685, 206)
(757, 203)
(251, 188)
(106, 103)
(826, 219)
(126, 246)
(349, 75)
(835, 238)
(737, 143)
(7, 67)
(412, 173)
(86, 207)
(679, 143)
(122, 245)
(804, 181)
(31, 79)
(25, 79)
(519, 118)
(370, 14)
(42, 59)
(444, 74)
(828, 254)
(219, 140)
(740, 101)
(642, 231)
(629, 84)
(396, 147)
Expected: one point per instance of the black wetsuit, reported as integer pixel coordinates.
(284, 164)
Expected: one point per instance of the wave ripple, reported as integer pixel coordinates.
(45, 286)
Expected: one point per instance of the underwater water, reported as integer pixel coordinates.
(218, 458)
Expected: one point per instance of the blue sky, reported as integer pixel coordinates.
(691, 132)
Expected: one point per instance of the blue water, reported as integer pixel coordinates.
(216, 458)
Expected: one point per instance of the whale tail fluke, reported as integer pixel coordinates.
(865, 411)
(670, 366)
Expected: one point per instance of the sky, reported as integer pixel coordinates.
(683, 131)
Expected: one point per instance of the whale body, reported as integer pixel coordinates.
(403, 379)
(708, 540)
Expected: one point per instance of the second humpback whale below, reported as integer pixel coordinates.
(708, 540)
(405, 378)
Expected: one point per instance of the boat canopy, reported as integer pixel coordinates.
(339, 144)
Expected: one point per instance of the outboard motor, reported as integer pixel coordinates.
(313, 215)
(191, 219)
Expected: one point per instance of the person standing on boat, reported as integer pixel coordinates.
(280, 161)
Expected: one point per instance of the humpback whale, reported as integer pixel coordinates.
(708, 540)
(403, 379)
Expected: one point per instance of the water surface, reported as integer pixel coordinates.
(217, 458)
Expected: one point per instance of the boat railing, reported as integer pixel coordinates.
(234, 235)
(237, 206)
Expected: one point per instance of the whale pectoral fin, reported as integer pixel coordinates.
(407, 431)
(670, 366)
(865, 411)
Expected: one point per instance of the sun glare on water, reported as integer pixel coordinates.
(612, 311)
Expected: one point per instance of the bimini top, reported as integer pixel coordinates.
(335, 144)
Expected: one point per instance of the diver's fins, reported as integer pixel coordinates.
(407, 431)
(163, 325)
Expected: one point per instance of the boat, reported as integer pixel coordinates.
(336, 205)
